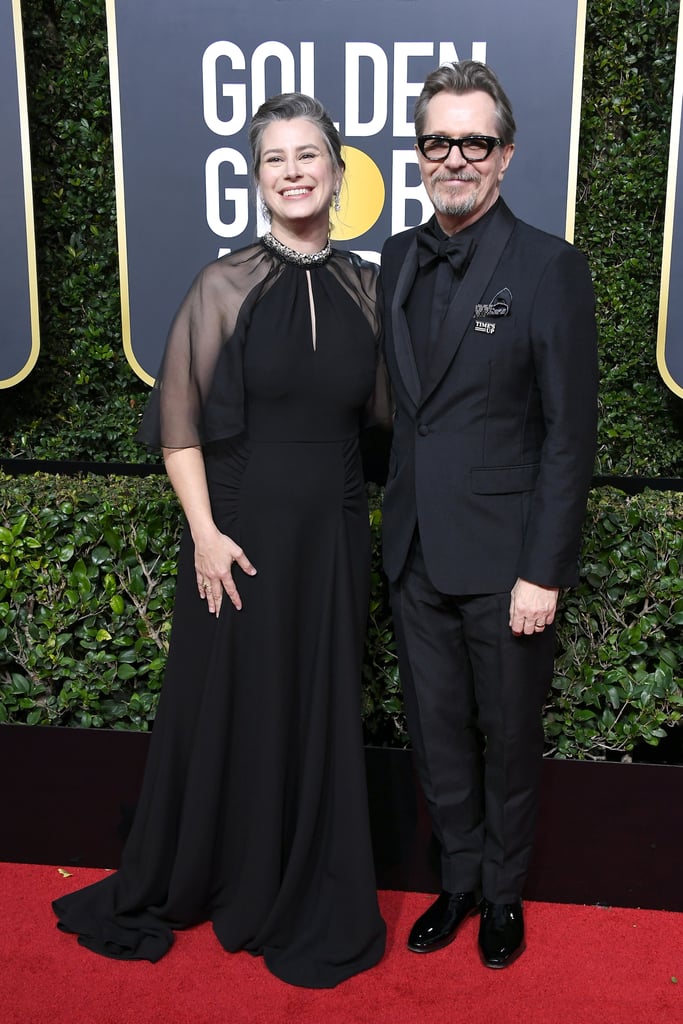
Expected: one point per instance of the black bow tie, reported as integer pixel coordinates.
(458, 251)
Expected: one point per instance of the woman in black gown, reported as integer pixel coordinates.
(253, 811)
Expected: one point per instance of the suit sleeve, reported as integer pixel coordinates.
(564, 343)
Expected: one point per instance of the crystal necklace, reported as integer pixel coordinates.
(300, 259)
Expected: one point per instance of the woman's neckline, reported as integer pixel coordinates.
(298, 259)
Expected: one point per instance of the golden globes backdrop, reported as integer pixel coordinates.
(186, 78)
(670, 334)
(19, 340)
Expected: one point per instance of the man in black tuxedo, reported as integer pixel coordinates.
(491, 348)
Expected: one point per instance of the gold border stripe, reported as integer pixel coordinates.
(117, 139)
(28, 203)
(575, 129)
(669, 214)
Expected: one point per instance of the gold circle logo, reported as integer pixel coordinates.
(362, 196)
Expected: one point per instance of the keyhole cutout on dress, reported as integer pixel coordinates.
(312, 307)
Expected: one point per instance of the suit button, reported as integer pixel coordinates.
(423, 429)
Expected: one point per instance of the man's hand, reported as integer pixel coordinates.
(532, 607)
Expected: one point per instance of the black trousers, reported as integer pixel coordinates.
(474, 695)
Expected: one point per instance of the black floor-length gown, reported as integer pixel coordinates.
(253, 811)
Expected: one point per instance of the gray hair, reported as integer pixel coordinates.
(461, 77)
(286, 107)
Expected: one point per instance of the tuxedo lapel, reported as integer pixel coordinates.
(457, 320)
(405, 355)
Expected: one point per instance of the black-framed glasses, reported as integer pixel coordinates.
(473, 148)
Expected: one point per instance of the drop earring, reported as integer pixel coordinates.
(337, 204)
(262, 214)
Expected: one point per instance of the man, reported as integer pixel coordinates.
(491, 347)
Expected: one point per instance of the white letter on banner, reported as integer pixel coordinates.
(239, 196)
(210, 89)
(307, 60)
(403, 89)
(448, 54)
(401, 192)
(258, 71)
(352, 122)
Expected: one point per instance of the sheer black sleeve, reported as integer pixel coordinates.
(198, 396)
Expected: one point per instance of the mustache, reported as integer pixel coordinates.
(463, 176)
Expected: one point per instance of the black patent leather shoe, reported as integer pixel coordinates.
(438, 925)
(501, 933)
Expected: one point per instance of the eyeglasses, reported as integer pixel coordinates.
(473, 148)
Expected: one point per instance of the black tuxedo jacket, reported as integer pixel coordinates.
(492, 456)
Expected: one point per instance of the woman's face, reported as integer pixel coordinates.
(296, 175)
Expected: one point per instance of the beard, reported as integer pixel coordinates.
(453, 207)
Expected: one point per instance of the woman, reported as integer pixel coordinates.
(253, 811)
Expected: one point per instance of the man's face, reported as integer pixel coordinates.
(462, 192)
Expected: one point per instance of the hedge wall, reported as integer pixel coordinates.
(625, 126)
(86, 589)
(82, 401)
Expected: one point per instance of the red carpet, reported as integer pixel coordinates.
(583, 965)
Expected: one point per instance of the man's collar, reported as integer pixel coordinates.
(473, 230)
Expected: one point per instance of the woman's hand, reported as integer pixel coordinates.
(214, 557)
(214, 552)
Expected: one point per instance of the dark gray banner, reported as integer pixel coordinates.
(670, 335)
(189, 76)
(19, 338)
